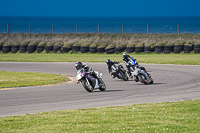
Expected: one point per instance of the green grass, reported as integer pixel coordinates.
(181, 117)
(185, 59)
(20, 79)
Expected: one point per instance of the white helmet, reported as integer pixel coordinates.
(124, 53)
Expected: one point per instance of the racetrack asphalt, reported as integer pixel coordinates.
(172, 83)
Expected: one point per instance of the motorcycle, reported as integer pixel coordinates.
(139, 73)
(88, 81)
(119, 72)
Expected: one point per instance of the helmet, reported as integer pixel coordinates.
(78, 65)
(124, 53)
(108, 61)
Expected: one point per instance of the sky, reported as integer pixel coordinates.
(100, 8)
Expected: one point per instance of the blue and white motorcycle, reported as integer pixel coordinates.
(139, 73)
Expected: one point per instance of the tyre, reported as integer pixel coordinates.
(152, 81)
(1, 47)
(187, 48)
(66, 49)
(143, 78)
(84, 49)
(31, 48)
(23, 48)
(119, 50)
(76, 48)
(6, 49)
(168, 49)
(158, 49)
(101, 50)
(196, 49)
(87, 86)
(93, 49)
(103, 86)
(110, 50)
(178, 49)
(56, 49)
(139, 49)
(40, 49)
(130, 49)
(125, 77)
(148, 49)
(48, 49)
(15, 48)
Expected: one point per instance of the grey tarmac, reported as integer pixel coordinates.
(172, 83)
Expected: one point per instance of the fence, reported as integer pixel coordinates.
(98, 29)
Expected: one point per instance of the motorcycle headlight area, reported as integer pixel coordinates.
(79, 76)
(132, 63)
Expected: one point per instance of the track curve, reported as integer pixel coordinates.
(172, 83)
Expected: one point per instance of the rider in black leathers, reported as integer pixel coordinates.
(89, 70)
(109, 65)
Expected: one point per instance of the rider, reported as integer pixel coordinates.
(109, 64)
(126, 58)
(89, 70)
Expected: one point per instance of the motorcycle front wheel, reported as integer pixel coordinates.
(103, 86)
(151, 80)
(87, 86)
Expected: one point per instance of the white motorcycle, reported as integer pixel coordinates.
(89, 82)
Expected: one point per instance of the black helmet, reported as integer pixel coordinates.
(78, 65)
(108, 61)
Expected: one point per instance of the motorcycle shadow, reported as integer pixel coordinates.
(136, 83)
(108, 91)
(158, 83)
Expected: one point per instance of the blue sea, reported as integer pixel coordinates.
(106, 24)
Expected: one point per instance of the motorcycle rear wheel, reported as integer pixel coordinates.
(125, 77)
(103, 86)
(87, 86)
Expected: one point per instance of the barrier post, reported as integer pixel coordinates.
(52, 30)
(76, 28)
(122, 29)
(98, 29)
(7, 28)
(29, 29)
(178, 30)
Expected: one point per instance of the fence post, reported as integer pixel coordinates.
(52, 30)
(76, 28)
(98, 29)
(29, 29)
(122, 29)
(178, 29)
(7, 28)
(147, 29)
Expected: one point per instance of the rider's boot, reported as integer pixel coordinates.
(112, 76)
(96, 85)
(136, 79)
(129, 73)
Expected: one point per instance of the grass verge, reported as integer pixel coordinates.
(21, 79)
(169, 117)
(184, 59)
